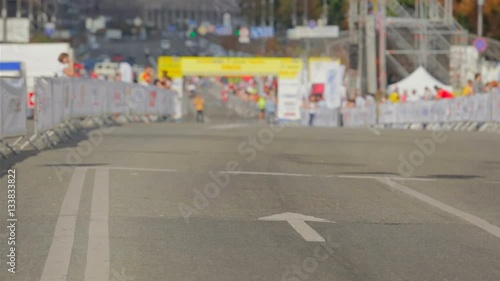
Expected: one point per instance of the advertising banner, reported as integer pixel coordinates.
(44, 108)
(13, 107)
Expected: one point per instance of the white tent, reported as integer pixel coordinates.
(418, 80)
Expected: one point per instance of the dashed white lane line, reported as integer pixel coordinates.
(98, 265)
(57, 263)
(265, 174)
(474, 220)
(323, 176)
(228, 126)
(136, 169)
(383, 177)
(257, 173)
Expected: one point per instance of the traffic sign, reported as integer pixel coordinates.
(223, 30)
(480, 44)
(257, 32)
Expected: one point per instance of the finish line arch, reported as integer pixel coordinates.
(288, 70)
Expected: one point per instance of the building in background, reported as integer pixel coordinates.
(164, 13)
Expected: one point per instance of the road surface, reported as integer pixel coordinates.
(239, 201)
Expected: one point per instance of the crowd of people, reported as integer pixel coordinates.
(473, 87)
(260, 92)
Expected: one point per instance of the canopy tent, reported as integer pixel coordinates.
(418, 80)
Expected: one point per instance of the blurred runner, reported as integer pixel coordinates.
(312, 110)
(271, 109)
(262, 106)
(199, 104)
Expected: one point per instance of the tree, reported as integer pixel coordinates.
(466, 13)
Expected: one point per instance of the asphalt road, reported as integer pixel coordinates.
(234, 201)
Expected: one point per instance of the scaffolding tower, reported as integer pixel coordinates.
(392, 41)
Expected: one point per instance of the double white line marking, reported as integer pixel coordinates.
(97, 268)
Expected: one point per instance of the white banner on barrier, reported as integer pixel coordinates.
(137, 99)
(12, 107)
(44, 109)
(117, 97)
(495, 106)
(153, 103)
(60, 92)
(388, 113)
(68, 96)
(359, 117)
(81, 104)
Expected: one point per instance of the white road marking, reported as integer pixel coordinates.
(493, 182)
(474, 220)
(298, 222)
(265, 174)
(57, 263)
(228, 126)
(382, 177)
(98, 265)
(323, 176)
(136, 169)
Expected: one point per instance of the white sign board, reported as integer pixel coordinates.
(12, 107)
(289, 99)
(305, 32)
(18, 30)
(333, 85)
(179, 89)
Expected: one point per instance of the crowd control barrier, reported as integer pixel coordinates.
(61, 101)
(359, 117)
(323, 117)
(12, 109)
(478, 108)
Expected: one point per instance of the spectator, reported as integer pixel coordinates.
(469, 89)
(199, 104)
(428, 94)
(478, 86)
(369, 100)
(394, 96)
(312, 110)
(67, 68)
(127, 73)
(118, 77)
(380, 97)
(404, 96)
(442, 93)
(414, 97)
(360, 101)
(147, 77)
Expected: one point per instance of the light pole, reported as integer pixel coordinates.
(18, 9)
(271, 13)
(263, 4)
(4, 18)
(480, 5)
(305, 16)
(325, 12)
(294, 13)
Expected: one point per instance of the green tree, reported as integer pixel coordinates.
(338, 12)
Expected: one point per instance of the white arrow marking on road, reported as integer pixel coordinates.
(298, 222)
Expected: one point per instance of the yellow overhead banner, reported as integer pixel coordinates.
(228, 66)
(171, 65)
